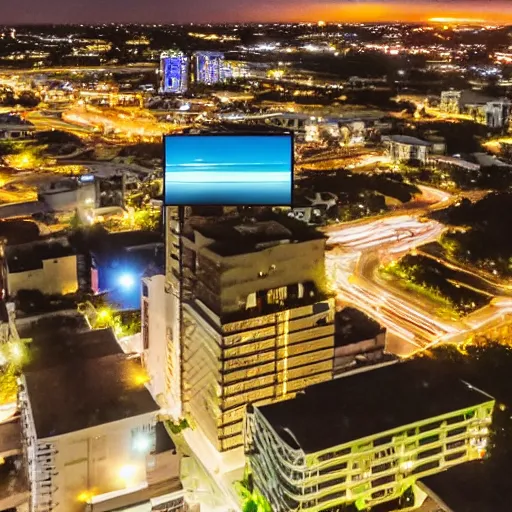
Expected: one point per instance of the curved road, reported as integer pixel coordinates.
(357, 251)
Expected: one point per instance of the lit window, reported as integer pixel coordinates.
(251, 301)
(277, 295)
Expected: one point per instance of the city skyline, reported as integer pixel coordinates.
(198, 11)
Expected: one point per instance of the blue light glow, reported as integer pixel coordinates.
(126, 281)
(229, 170)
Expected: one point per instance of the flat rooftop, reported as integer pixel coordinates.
(353, 326)
(235, 235)
(360, 405)
(471, 487)
(17, 231)
(31, 256)
(406, 139)
(55, 346)
(85, 393)
(114, 244)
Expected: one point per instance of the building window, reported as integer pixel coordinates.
(251, 301)
(428, 440)
(430, 453)
(426, 467)
(456, 431)
(454, 456)
(277, 295)
(455, 444)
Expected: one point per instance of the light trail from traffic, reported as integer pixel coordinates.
(354, 255)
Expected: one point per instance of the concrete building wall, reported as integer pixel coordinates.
(95, 461)
(154, 342)
(272, 268)
(405, 152)
(58, 276)
(69, 199)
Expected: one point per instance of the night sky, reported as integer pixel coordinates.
(178, 11)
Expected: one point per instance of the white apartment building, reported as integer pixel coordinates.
(153, 329)
(91, 437)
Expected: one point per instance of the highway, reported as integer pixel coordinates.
(355, 253)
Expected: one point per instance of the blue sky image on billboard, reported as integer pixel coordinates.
(228, 170)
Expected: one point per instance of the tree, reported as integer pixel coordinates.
(28, 99)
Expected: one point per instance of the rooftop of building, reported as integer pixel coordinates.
(368, 403)
(60, 185)
(353, 326)
(31, 256)
(17, 231)
(53, 344)
(470, 487)
(87, 392)
(114, 244)
(236, 234)
(469, 97)
(15, 120)
(408, 140)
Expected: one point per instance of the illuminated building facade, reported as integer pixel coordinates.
(451, 102)
(402, 148)
(232, 69)
(174, 69)
(365, 438)
(208, 67)
(257, 327)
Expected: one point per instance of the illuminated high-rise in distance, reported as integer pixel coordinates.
(208, 67)
(174, 66)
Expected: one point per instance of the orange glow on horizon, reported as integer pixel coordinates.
(457, 21)
(422, 12)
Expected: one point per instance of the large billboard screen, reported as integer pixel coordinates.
(228, 170)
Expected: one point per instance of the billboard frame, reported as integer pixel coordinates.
(290, 134)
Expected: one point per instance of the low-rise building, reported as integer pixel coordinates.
(13, 127)
(451, 102)
(495, 113)
(402, 148)
(358, 341)
(68, 194)
(365, 438)
(92, 441)
(49, 266)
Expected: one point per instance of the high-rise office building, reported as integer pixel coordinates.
(208, 67)
(250, 321)
(174, 68)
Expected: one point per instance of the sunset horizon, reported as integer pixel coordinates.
(266, 11)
